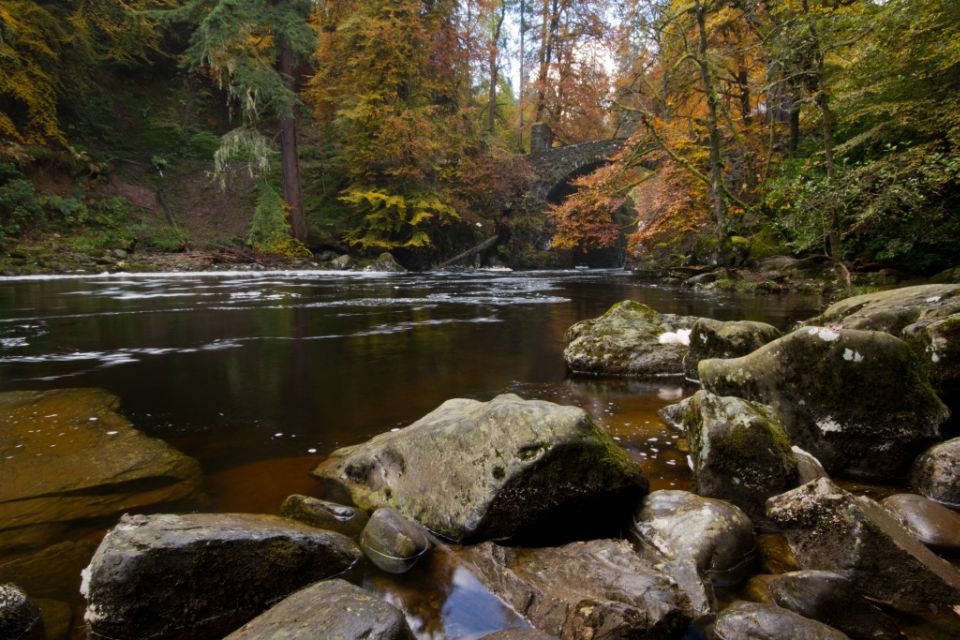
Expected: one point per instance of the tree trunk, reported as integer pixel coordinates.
(716, 162)
(551, 20)
(289, 157)
(494, 68)
(483, 246)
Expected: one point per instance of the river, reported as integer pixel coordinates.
(258, 375)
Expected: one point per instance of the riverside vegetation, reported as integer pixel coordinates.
(242, 131)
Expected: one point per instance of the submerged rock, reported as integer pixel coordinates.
(324, 515)
(936, 474)
(714, 535)
(828, 598)
(934, 525)
(201, 575)
(392, 542)
(743, 620)
(599, 589)
(739, 450)
(828, 528)
(857, 400)
(334, 610)
(716, 339)
(19, 617)
(68, 455)
(385, 262)
(630, 339)
(474, 470)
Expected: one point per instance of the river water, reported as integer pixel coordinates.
(259, 375)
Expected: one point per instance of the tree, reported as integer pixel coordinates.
(253, 49)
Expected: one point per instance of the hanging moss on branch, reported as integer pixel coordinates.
(270, 232)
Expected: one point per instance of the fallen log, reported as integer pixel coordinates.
(483, 246)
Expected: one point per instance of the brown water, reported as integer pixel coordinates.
(260, 375)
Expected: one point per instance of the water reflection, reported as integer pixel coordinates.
(259, 375)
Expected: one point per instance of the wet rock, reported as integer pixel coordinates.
(739, 449)
(19, 617)
(714, 535)
(201, 575)
(808, 467)
(857, 400)
(341, 262)
(392, 542)
(474, 470)
(934, 525)
(936, 474)
(716, 339)
(829, 598)
(830, 529)
(743, 620)
(385, 262)
(68, 455)
(518, 634)
(332, 609)
(599, 589)
(894, 309)
(630, 339)
(324, 515)
(926, 316)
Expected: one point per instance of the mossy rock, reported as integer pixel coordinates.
(630, 339)
(858, 400)
(717, 339)
(739, 449)
(474, 470)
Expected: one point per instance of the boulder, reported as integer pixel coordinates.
(936, 473)
(19, 616)
(714, 535)
(947, 276)
(857, 400)
(201, 575)
(341, 262)
(830, 529)
(934, 525)
(333, 609)
(926, 316)
(748, 620)
(716, 339)
(599, 589)
(324, 515)
(894, 309)
(828, 598)
(808, 467)
(630, 339)
(739, 450)
(68, 455)
(386, 263)
(392, 542)
(474, 470)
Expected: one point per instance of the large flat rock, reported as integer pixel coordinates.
(199, 576)
(68, 455)
(601, 589)
(833, 530)
(473, 470)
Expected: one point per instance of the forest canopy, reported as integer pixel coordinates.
(749, 127)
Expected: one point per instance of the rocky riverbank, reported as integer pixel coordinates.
(548, 513)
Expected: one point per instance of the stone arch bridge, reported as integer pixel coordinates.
(555, 167)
